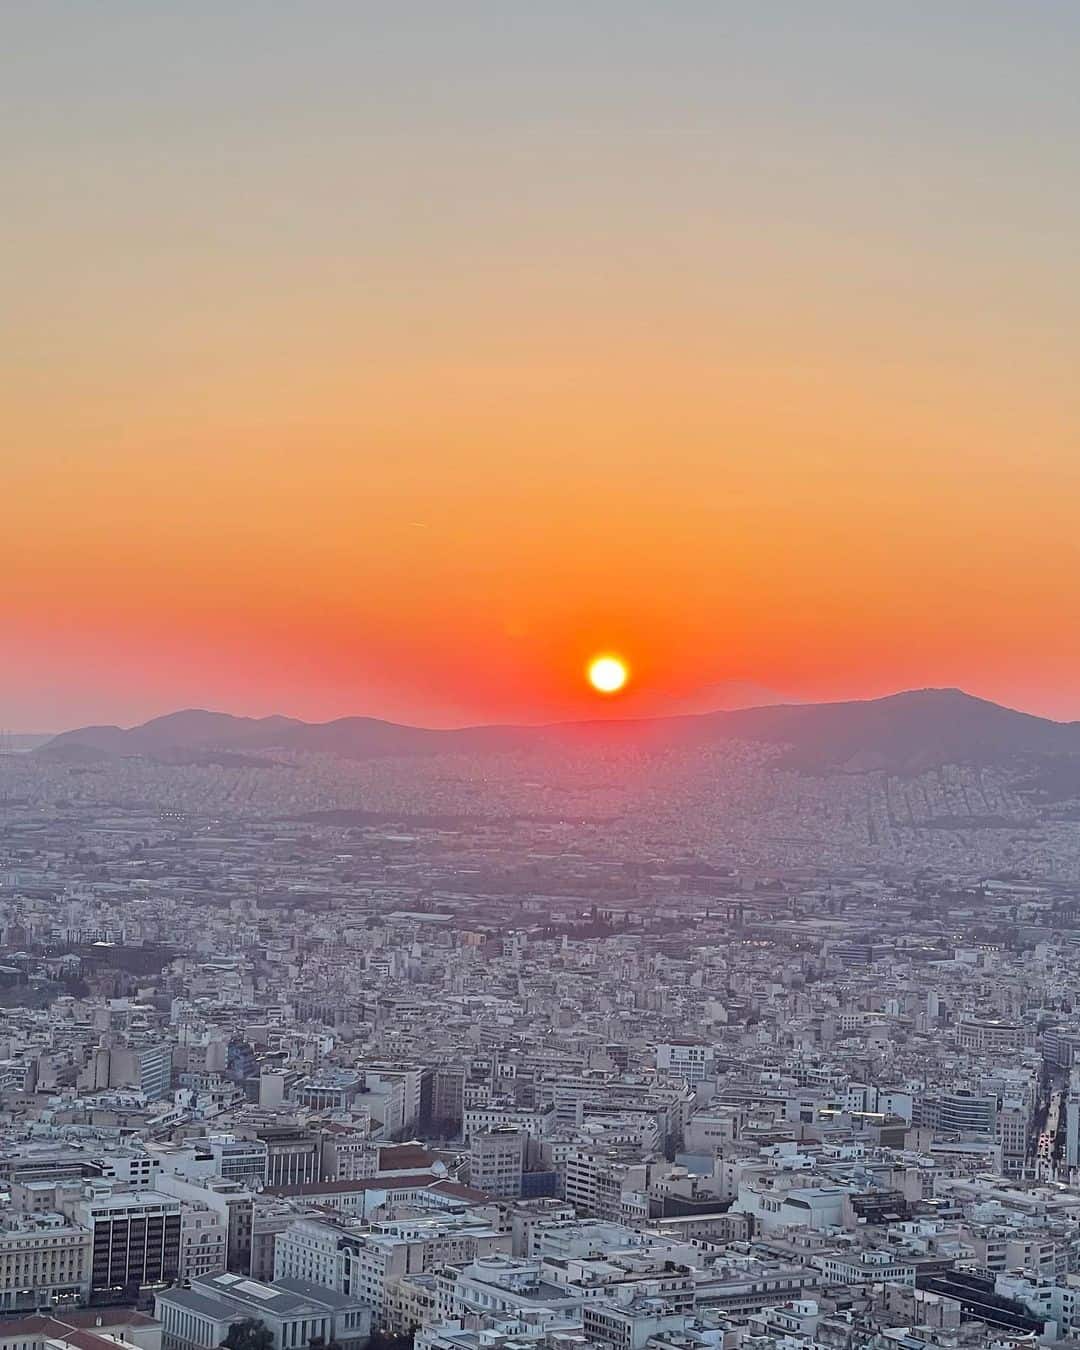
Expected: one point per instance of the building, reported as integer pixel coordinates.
(537, 1122)
(204, 1236)
(630, 1325)
(369, 1197)
(44, 1262)
(497, 1286)
(144, 1065)
(364, 1262)
(330, 1090)
(243, 1160)
(135, 1237)
(497, 1161)
(959, 1112)
(867, 1266)
(104, 1327)
(692, 1060)
(410, 1304)
(596, 1181)
(348, 1153)
(233, 1202)
(293, 1155)
(294, 1313)
(989, 1036)
(448, 1098)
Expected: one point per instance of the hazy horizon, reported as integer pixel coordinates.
(397, 363)
(695, 703)
(620, 712)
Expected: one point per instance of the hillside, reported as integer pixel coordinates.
(907, 731)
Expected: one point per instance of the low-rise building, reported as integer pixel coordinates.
(293, 1312)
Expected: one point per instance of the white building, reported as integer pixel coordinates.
(294, 1313)
(692, 1060)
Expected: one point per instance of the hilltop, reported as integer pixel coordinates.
(905, 731)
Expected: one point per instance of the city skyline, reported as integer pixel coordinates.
(539, 729)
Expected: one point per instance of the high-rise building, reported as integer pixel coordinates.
(497, 1161)
(135, 1237)
(448, 1097)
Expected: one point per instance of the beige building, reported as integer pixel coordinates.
(496, 1162)
(204, 1234)
(44, 1262)
(410, 1303)
(986, 1035)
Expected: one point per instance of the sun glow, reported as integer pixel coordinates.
(607, 674)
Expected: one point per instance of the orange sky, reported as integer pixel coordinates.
(334, 394)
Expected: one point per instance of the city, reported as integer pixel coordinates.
(507, 1079)
(540, 675)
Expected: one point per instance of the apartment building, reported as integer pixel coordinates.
(960, 1111)
(497, 1161)
(500, 1114)
(364, 1261)
(231, 1201)
(204, 1234)
(631, 1325)
(597, 1180)
(689, 1059)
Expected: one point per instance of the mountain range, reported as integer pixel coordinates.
(903, 732)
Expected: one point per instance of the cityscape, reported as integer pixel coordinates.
(650, 1047)
(540, 675)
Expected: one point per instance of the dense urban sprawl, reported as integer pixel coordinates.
(314, 1053)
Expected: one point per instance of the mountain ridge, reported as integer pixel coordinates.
(908, 730)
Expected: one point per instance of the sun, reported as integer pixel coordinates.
(607, 674)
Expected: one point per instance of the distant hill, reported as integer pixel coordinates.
(188, 731)
(910, 730)
(904, 732)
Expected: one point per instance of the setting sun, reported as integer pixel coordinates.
(607, 674)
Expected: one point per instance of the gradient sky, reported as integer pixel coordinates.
(391, 358)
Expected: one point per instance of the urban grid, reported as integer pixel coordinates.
(773, 1067)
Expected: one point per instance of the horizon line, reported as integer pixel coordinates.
(541, 725)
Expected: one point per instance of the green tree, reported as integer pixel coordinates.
(250, 1334)
(389, 1340)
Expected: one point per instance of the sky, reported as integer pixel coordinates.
(394, 358)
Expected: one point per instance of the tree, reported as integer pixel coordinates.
(250, 1334)
(389, 1340)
